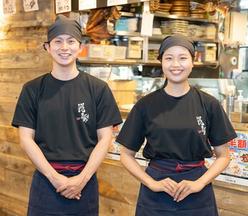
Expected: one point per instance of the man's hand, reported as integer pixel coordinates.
(73, 188)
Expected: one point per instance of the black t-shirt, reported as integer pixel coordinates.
(66, 114)
(176, 127)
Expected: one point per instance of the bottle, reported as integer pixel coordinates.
(238, 102)
(230, 100)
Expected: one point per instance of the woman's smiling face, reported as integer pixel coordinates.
(177, 64)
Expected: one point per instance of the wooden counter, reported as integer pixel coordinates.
(240, 126)
(119, 191)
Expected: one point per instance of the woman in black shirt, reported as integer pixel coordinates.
(179, 124)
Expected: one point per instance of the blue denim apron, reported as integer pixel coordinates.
(162, 204)
(44, 201)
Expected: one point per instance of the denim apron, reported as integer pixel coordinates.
(45, 201)
(162, 204)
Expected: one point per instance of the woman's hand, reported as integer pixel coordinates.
(167, 185)
(185, 187)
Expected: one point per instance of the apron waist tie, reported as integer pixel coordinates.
(175, 165)
(67, 166)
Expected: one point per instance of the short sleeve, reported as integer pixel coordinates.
(220, 130)
(26, 112)
(107, 110)
(132, 134)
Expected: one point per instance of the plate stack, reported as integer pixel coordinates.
(179, 27)
(154, 5)
(181, 8)
(198, 12)
(165, 27)
(164, 7)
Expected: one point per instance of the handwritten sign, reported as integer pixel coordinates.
(9, 7)
(62, 6)
(30, 5)
(116, 2)
(86, 4)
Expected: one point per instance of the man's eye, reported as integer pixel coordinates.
(57, 41)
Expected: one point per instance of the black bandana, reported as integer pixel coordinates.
(64, 25)
(176, 40)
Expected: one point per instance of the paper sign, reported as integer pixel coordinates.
(30, 5)
(116, 2)
(86, 4)
(9, 7)
(147, 24)
(62, 6)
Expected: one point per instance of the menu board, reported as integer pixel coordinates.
(237, 171)
(86, 4)
(62, 6)
(116, 2)
(9, 7)
(30, 5)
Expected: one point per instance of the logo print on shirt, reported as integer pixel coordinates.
(83, 116)
(201, 124)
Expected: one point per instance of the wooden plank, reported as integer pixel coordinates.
(231, 200)
(9, 134)
(24, 44)
(16, 164)
(240, 126)
(110, 207)
(16, 185)
(223, 212)
(2, 174)
(24, 59)
(11, 90)
(21, 76)
(12, 149)
(6, 118)
(11, 206)
(7, 105)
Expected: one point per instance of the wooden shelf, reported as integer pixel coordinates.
(132, 62)
(169, 16)
(161, 37)
(126, 33)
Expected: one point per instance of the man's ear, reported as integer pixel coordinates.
(46, 46)
(81, 46)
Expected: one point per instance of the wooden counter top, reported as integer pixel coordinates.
(240, 126)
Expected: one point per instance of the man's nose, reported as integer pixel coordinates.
(64, 45)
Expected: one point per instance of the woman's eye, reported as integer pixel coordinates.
(183, 58)
(71, 41)
(167, 58)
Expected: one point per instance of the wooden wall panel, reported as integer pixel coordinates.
(22, 58)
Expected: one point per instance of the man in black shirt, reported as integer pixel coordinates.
(65, 121)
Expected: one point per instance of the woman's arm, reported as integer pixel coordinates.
(187, 187)
(128, 160)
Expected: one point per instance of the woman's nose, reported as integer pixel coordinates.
(175, 62)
